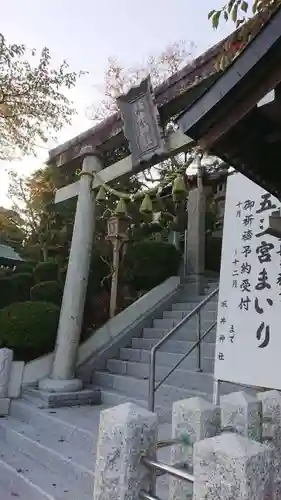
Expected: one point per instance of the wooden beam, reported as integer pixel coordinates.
(177, 143)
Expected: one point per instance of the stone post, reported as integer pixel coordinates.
(63, 373)
(242, 413)
(197, 419)
(6, 360)
(271, 430)
(126, 434)
(196, 208)
(231, 467)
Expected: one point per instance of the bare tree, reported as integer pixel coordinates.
(118, 78)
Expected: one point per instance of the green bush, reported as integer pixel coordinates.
(149, 263)
(24, 268)
(21, 285)
(29, 328)
(99, 269)
(49, 291)
(46, 271)
(4, 272)
(6, 291)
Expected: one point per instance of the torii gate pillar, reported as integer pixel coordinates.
(62, 378)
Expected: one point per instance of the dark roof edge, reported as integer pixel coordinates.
(188, 118)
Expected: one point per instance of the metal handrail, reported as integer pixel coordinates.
(152, 367)
(179, 473)
(169, 469)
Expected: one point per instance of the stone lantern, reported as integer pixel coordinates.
(117, 227)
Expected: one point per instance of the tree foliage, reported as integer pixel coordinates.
(11, 232)
(33, 103)
(240, 11)
(149, 263)
(46, 230)
(249, 17)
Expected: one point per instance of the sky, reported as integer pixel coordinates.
(86, 33)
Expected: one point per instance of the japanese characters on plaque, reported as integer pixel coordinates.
(142, 123)
(248, 343)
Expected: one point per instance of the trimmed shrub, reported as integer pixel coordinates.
(29, 328)
(24, 268)
(21, 285)
(149, 263)
(49, 291)
(99, 269)
(4, 273)
(46, 271)
(6, 292)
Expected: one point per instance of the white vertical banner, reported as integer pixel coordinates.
(248, 342)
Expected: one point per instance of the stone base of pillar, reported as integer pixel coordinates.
(58, 385)
(61, 399)
(4, 407)
(196, 281)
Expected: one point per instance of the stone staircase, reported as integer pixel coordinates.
(126, 377)
(50, 454)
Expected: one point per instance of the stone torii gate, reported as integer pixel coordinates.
(62, 377)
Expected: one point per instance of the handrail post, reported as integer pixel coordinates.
(199, 369)
(151, 391)
(152, 361)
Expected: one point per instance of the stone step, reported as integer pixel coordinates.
(157, 333)
(169, 323)
(14, 484)
(189, 306)
(58, 400)
(184, 333)
(174, 346)
(186, 379)
(181, 378)
(167, 359)
(180, 314)
(45, 470)
(113, 397)
(193, 299)
(205, 285)
(67, 439)
(196, 299)
(138, 388)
